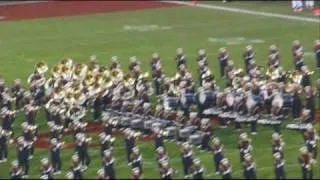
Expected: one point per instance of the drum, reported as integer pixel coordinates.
(206, 98)
(187, 99)
(147, 124)
(156, 125)
(195, 139)
(184, 133)
(212, 111)
(172, 131)
(137, 124)
(299, 127)
(171, 103)
(192, 129)
(125, 122)
(268, 122)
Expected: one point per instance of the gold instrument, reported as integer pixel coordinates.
(67, 63)
(41, 67)
(79, 71)
(80, 98)
(56, 71)
(296, 77)
(59, 93)
(90, 79)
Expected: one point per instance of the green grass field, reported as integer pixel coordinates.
(23, 43)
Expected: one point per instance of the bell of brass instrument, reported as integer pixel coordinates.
(67, 63)
(56, 71)
(90, 79)
(41, 67)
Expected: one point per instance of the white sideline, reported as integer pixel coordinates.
(244, 11)
(20, 2)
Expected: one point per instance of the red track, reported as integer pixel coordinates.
(72, 8)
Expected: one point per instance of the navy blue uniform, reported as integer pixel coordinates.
(130, 144)
(3, 146)
(158, 141)
(223, 59)
(249, 170)
(82, 150)
(109, 169)
(55, 157)
(23, 157)
(311, 143)
(279, 166)
(296, 105)
(217, 155)
(306, 166)
(248, 56)
(187, 161)
(137, 162)
(181, 60)
(311, 105)
(77, 172)
(317, 54)
(207, 132)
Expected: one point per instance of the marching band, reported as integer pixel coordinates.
(123, 101)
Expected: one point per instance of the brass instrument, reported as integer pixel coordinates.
(89, 80)
(41, 67)
(79, 72)
(56, 71)
(67, 63)
(296, 77)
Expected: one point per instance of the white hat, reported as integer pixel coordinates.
(155, 55)
(225, 161)
(243, 135)
(275, 135)
(54, 141)
(249, 47)
(14, 163)
(223, 49)
(202, 52)
(216, 140)
(133, 59)
(196, 161)
(93, 57)
(303, 150)
(44, 161)
(179, 50)
(75, 157)
(114, 59)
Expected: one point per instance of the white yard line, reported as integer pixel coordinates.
(20, 2)
(244, 11)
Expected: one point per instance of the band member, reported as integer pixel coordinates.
(137, 174)
(317, 52)
(46, 169)
(17, 91)
(306, 162)
(217, 150)
(225, 169)
(180, 58)
(6, 99)
(197, 169)
(249, 167)
(248, 56)
(134, 64)
(274, 57)
(296, 103)
(206, 130)
(166, 171)
(31, 110)
(8, 117)
(306, 76)
(81, 149)
(23, 149)
(223, 59)
(297, 48)
(158, 78)
(310, 102)
(76, 169)
(162, 155)
(277, 112)
(75, 113)
(4, 136)
(56, 131)
(158, 138)
(130, 143)
(311, 139)
(136, 159)
(106, 142)
(244, 146)
(16, 171)
(279, 165)
(30, 133)
(187, 158)
(109, 170)
(277, 144)
(55, 148)
(202, 59)
(299, 60)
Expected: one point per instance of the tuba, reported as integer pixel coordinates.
(56, 71)
(41, 67)
(67, 63)
(89, 80)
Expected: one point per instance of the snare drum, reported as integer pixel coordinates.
(195, 139)
(206, 97)
(187, 99)
(137, 124)
(147, 124)
(171, 103)
(184, 133)
(172, 131)
(125, 121)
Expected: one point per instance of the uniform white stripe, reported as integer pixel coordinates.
(244, 11)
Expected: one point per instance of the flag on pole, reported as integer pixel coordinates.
(316, 10)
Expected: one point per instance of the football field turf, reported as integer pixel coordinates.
(142, 32)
